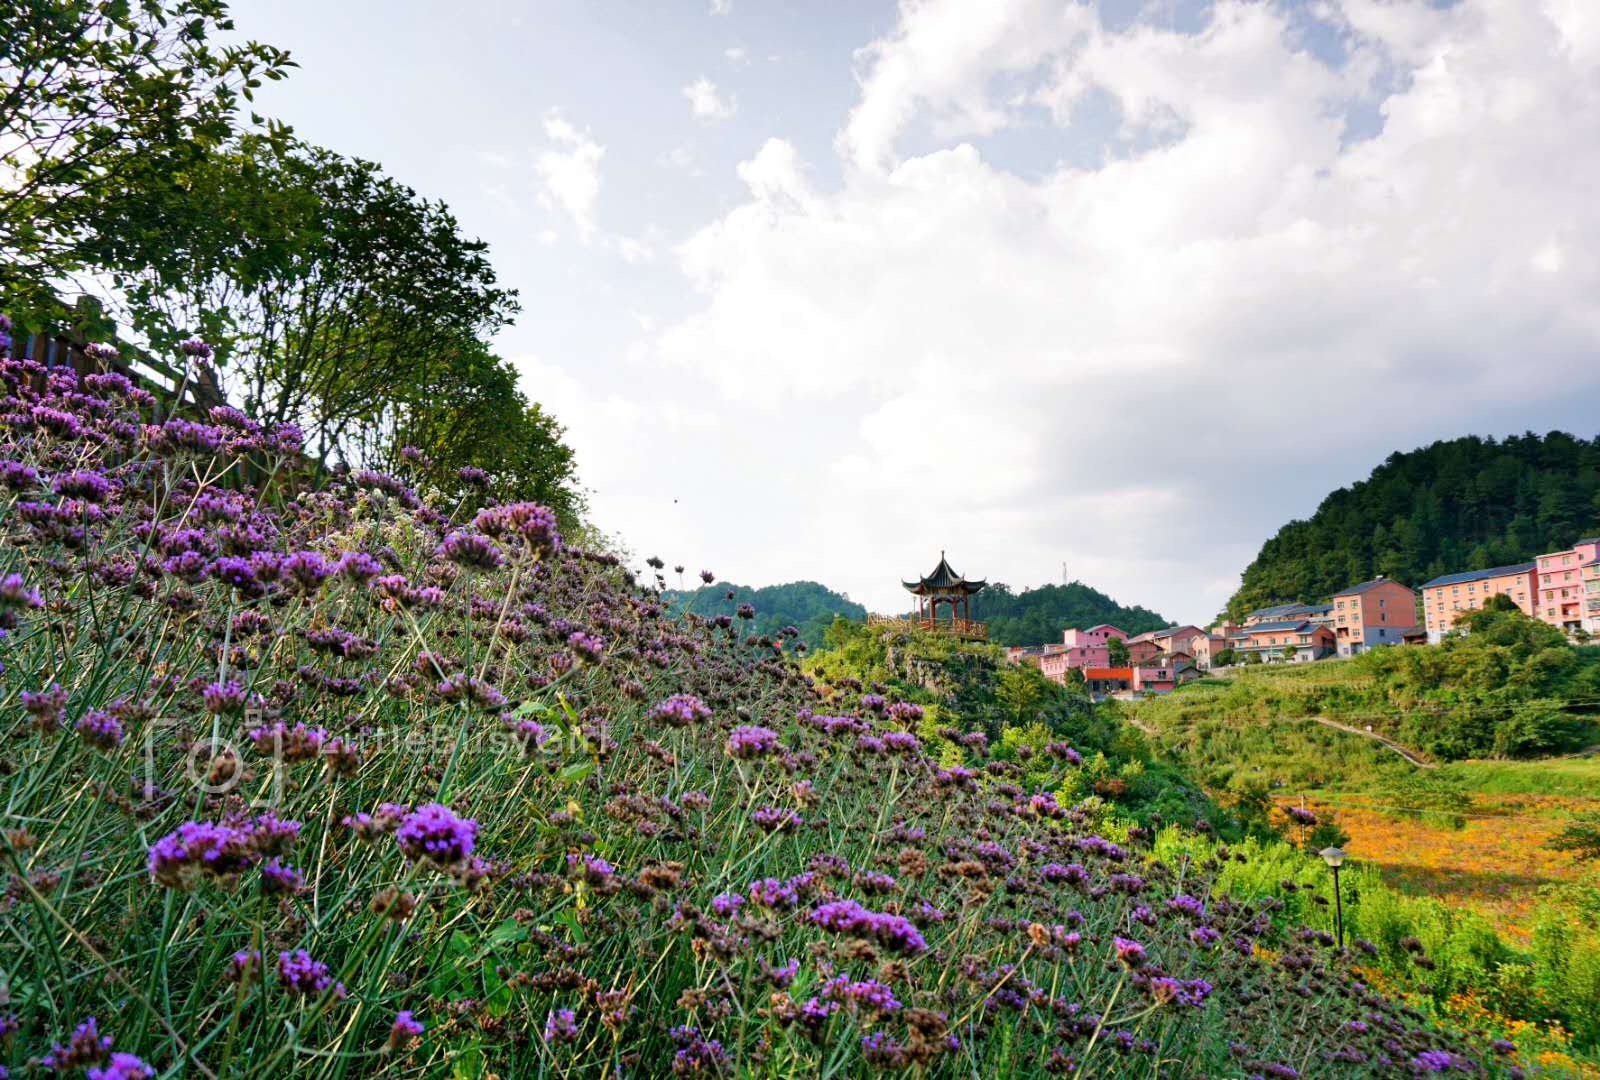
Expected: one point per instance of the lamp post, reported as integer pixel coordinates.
(1334, 857)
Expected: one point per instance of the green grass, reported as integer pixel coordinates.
(1553, 776)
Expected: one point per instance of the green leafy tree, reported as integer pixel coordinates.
(1581, 837)
(1326, 833)
(1457, 505)
(469, 412)
(1033, 616)
(807, 606)
(1117, 652)
(338, 298)
(1021, 688)
(99, 100)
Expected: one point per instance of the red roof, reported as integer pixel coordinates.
(1108, 673)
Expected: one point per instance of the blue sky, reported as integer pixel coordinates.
(821, 289)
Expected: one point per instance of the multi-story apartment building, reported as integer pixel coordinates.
(1294, 639)
(1445, 598)
(1317, 613)
(1376, 612)
(1078, 649)
(1562, 597)
(1591, 598)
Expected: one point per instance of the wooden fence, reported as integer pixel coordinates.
(68, 348)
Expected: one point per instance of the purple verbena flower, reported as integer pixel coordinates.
(403, 1030)
(122, 1066)
(747, 742)
(434, 834)
(298, 973)
(100, 729)
(561, 1026)
(86, 1047)
(680, 710)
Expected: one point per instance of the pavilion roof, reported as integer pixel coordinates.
(943, 579)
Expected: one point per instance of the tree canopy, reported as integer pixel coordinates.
(1461, 504)
(97, 98)
(805, 605)
(1036, 616)
(333, 296)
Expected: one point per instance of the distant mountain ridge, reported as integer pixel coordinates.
(806, 605)
(1461, 504)
(1029, 617)
(1037, 616)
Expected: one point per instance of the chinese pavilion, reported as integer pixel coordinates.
(942, 585)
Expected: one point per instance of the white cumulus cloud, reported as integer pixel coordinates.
(707, 103)
(569, 171)
(1135, 367)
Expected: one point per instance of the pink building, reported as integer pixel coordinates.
(1562, 599)
(1445, 598)
(1591, 597)
(1079, 649)
(1177, 638)
(1156, 679)
(1205, 648)
(1143, 649)
(1376, 612)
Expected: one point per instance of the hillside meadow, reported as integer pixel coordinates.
(334, 778)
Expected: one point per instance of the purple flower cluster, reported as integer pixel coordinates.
(748, 742)
(680, 710)
(893, 932)
(434, 834)
(87, 1046)
(199, 849)
(122, 1066)
(299, 974)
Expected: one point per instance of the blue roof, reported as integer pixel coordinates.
(1479, 575)
(1289, 609)
(1365, 585)
(1291, 624)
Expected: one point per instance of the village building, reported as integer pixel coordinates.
(1376, 612)
(1105, 682)
(1591, 598)
(1564, 597)
(1143, 648)
(1289, 639)
(1318, 613)
(1177, 638)
(1206, 648)
(1089, 648)
(1445, 598)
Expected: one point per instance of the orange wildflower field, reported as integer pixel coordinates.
(1495, 863)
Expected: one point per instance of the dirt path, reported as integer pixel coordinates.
(1390, 743)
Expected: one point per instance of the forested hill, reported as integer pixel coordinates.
(803, 604)
(1458, 505)
(1036, 616)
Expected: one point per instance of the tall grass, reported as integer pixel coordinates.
(337, 782)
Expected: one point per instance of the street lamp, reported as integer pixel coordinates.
(1334, 857)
